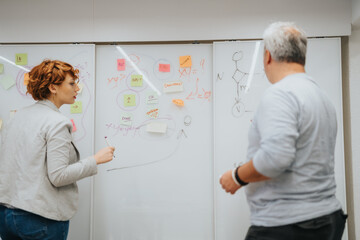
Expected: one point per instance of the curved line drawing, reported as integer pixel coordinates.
(20, 84)
(137, 89)
(148, 163)
(84, 113)
(163, 75)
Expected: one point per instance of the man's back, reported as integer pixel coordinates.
(292, 141)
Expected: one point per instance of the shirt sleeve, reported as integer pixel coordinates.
(60, 170)
(277, 123)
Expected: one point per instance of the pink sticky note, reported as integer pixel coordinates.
(73, 123)
(121, 64)
(164, 67)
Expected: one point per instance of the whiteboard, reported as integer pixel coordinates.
(234, 110)
(81, 57)
(160, 185)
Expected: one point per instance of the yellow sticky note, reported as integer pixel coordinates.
(1, 68)
(129, 100)
(7, 82)
(21, 59)
(76, 107)
(26, 79)
(0, 123)
(136, 80)
(185, 61)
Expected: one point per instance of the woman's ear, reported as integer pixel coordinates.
(52, 88)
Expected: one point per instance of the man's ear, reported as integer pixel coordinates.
(268, 57)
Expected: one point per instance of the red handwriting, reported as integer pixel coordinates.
(153, 113)
(202, 62)
(202, 95)
(115, 80)
(185, 72)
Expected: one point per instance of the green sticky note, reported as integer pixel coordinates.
(136, 80)
(7, 82)
(21, 59)
(129, 100)
(1, 68)
(76, 107)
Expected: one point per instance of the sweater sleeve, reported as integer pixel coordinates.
(277, 123)
(61, 171)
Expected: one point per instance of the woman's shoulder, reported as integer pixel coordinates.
(44, 112)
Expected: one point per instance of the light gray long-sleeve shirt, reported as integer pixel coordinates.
(292, 141)
(39, 164)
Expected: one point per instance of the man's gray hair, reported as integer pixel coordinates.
(286, 42)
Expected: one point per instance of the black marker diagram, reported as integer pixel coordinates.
(240, 78)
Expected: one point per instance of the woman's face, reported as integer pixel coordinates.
(66, 92)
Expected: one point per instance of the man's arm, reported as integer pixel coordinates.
(247, 173)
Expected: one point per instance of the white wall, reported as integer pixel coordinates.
(354, 92)
(355, 14)
(164, 20)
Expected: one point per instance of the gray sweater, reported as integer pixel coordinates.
(292, 141)
(39, 164)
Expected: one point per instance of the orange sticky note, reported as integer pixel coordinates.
(74, 126)
(153, 113)
(121, 64)
(164, 67)
(26, 79)
(185, 61)
(178, 102)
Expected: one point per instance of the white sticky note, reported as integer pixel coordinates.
(126, 119)
(152, 98)
(156, 127)
(170, 87)
(0, 123)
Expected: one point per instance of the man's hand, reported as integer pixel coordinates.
(228, 183)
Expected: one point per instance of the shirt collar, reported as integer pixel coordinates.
(49, 104)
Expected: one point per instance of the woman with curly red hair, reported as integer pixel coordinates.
(39, 162)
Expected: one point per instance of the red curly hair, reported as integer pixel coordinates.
(46, 73)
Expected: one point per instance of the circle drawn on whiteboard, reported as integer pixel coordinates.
(187, 120)
(136, 80)
(128, 100)
(20, 86)
(237, 56)
(163, 69)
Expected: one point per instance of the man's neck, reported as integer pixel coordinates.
(285, 69)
